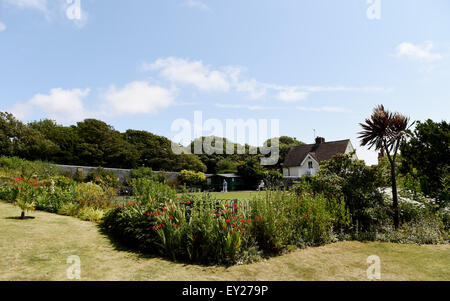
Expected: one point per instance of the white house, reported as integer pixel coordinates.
(305, 160)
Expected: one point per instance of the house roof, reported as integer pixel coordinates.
(228, 175)
(320, 152)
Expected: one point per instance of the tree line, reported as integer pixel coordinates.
(93, 142)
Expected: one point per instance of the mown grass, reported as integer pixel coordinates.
(37, 249)
(233, 195)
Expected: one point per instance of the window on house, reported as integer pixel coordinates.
(310, 165)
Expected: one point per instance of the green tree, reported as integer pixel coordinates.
(101, 145)
(227, 166)
(251, 171)
(386, 131)
(17, 139)
(285, 144)
(65, 137)
(427, 156)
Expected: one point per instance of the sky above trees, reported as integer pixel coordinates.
(314, 65)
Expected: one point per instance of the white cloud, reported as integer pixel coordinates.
(29, 4)
(232, 79)
(138, 98)
(59, 104)
(67, 106)
(322, 109)
(2, 27)
(239, 106)
(195, 73)
(419, 52)
(292, 94)
(196, 4)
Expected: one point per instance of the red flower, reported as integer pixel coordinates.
(175, 225)
(188, 202)
(148, 213)
(227, 221)
(223, 227)
(245, 231)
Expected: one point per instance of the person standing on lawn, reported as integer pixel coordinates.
(225, 186)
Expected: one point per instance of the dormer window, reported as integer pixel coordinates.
(310, 165)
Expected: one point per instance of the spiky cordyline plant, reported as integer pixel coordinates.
(386, 131)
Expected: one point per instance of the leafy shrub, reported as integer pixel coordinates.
(146, 173)
(103, 177)
(146, 190)
(28, 190)
(53, 198)
(425, 230)
(350, 180)
(89, 193)
(191, 177)
(90, 214)
(273, 179)
(20, 168)
(142, 172)
(69, 209)
(282, 219)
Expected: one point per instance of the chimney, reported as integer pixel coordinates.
(320, 140)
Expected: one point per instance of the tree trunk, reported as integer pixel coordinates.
(395, 196)
(22, 216)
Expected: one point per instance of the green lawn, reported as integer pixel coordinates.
(240, 195)
(37, 249)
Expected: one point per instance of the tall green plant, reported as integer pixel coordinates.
(386, 131)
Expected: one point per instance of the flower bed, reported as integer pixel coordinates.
(198, 230)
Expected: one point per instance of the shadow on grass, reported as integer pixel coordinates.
(19, 218)
(119, 245)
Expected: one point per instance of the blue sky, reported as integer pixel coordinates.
(142, 64)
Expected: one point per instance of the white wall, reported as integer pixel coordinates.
(302, 170)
